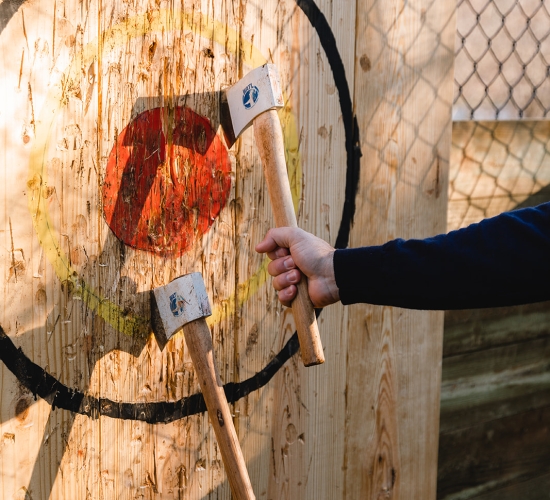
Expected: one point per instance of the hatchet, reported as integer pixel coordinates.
(183, 303)
(253, 100)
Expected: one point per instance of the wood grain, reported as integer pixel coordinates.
(534, 489)
(75, 297)
(500, 453)
(494, 383)
(403, 80)
(477, 329)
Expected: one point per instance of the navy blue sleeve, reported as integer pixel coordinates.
(504, 260)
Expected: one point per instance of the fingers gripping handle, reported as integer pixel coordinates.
(199, 342)
(269, 140)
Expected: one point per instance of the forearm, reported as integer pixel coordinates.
(500, 261)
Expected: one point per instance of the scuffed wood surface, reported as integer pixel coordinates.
(75, 297)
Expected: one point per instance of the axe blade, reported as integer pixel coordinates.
(177, 303)
(251, 96)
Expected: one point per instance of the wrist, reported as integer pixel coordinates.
(332, 287)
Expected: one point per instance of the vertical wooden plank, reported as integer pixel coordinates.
(296, 423)
(403, 94)
(324, 63)
(28, 313)
(304, 454)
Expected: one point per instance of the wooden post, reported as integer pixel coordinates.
(114, 180)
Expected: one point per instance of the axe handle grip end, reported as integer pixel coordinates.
(270, 143)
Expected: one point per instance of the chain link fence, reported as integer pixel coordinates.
(497, 166)
(500, 157)
(502, 65)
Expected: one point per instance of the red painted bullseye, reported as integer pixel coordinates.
(161, 193)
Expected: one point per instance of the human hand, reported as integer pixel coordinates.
(292, 252)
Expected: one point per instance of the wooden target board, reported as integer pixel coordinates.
(115, 179)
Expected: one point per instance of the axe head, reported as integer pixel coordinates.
(253, 94)
(174, 305)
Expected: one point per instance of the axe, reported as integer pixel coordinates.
(184, 303)
(252, 100)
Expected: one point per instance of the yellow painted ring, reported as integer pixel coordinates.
(37, 184)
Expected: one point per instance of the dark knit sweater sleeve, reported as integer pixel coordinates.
(500, 261)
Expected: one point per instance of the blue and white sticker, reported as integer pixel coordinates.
(177, 304)
(250, 95)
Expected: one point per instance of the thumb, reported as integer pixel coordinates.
(280, 237)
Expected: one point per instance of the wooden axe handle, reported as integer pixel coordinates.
(199, 342)
(270, 143)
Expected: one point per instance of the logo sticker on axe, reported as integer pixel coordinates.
(250, 96)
